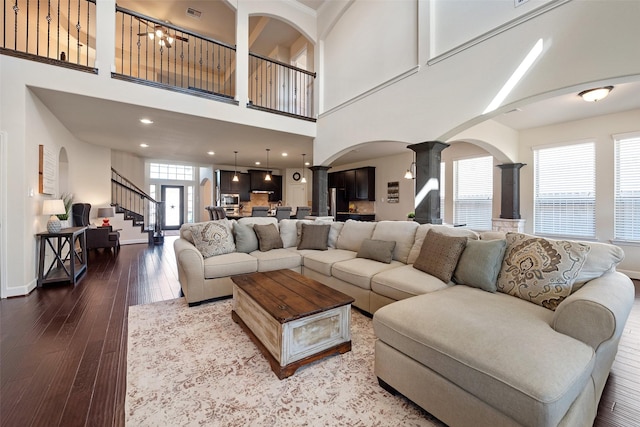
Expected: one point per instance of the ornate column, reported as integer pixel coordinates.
(427, 179)
(320, 190)
(510, 219)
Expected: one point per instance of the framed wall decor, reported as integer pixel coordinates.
(47, 169)
(393, 192)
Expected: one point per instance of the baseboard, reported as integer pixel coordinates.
(20, 291)
(133, 241)
(632, 274)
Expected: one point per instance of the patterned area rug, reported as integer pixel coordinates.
(195, 366)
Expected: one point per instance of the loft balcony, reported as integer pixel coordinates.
(153, 52)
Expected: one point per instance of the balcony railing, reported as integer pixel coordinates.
(154, 52)
(60, 32)
(280, 88)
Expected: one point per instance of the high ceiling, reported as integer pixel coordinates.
(114, 128)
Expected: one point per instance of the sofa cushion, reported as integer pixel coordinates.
(359, 271)
(322, 261)
(299, 228)
(540, 270)
(377, 250)
(402, 232)
(229, 265)
(439, 255)
(262, 220)
(494, 346)
(423, 229)
(480, 264)
(277, 259)
(246, 239)
(404, 282)
(288, 232)
(314, 236)
(212, 237)
(353, 233)
(336, 227)
(603, 258)
(268, 237)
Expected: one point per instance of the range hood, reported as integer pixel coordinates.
(261, 192)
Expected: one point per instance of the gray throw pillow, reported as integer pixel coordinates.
(268, 237)
(246, 239)
(439, 255)
(377, 250)
(314, 236)
(480, 264)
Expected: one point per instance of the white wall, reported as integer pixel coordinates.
(601, 130)
(130, 166)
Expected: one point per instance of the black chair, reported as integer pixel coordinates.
(103, 237)
(283, 212)
(80, 214)
(260, 211)
(302, 211)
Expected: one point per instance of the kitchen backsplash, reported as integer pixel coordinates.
(363, 207)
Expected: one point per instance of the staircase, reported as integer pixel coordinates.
(137, 206)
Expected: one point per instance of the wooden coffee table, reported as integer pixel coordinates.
(292, 319)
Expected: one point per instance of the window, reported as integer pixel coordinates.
(627, 188)
(473, 192)
(564, 190)
(164, 171)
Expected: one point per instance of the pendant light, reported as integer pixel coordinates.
(235, 167)
(303, 180)
(411, 172)
(267, 177)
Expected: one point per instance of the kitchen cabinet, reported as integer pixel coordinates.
(355, 216)
(276, 188)
(359, 184)
(228, 186)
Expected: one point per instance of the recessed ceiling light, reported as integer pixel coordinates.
(146, 121)
(284, 154)
(143, 145)
(306, 163)
(211, 153)
(257, 163)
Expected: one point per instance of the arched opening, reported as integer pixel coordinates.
(206, 198)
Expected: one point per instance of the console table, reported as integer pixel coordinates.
(69, 261)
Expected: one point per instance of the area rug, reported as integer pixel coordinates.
(195, 366)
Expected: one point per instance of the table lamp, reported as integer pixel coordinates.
(53, 207)
(106, 213)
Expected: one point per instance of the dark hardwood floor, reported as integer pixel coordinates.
(63, 348)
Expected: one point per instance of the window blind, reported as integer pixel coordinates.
(564, 194)
(473, 192)
(627, 189)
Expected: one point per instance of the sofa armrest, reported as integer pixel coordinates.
(190, 269)
(598, 311)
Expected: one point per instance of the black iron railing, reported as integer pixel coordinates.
(280, 88)
(136, 204)
(60, 32)
(155, 52)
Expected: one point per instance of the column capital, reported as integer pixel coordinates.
(505, 166)
(436, 146)
(319, 168)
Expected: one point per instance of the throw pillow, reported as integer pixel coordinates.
(246, 239)
(314, 236)
(540, 270)
(480, 264)
(213, 237)
(268, 237)
(377, 250)
(439, 255)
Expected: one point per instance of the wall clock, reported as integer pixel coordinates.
(296, 176)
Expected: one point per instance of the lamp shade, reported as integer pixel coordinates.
(106, 212)
(53, 207)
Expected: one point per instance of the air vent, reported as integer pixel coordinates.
(196, 14)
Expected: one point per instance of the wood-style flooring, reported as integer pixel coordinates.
(63, 348)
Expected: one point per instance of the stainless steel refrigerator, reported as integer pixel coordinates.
(338, 202)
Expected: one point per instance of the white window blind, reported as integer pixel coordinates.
(627, 185)
(565, 190)
(473, 192)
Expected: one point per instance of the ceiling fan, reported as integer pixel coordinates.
(162, 34)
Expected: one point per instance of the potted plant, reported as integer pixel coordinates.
(67, 199)
(411, 216)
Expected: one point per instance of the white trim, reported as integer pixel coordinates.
(627, 135)
(4, 289)
(498, 30)
(373, 90)
(133, 241)
(563, 144)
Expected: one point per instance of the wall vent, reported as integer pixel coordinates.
(194, 13)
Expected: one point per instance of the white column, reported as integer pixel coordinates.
(106, 42)
(242, 54)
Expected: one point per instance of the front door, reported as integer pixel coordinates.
(173, 198)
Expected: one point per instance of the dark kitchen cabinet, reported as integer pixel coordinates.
(365, 184)
(228, 186)
(350, 183)
(259, 184)
(276, 188)
(336, 179)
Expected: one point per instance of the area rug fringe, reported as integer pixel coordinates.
(195, 366)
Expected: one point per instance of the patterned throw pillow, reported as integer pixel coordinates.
(540, 270)
(439, 255)
(213, 237)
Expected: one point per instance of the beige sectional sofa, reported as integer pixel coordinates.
(469, 355)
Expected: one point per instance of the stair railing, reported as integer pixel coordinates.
(136, 204)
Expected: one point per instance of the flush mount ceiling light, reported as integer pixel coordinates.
(267, 177)
(235, 167)
(303, 180)
(593, 95)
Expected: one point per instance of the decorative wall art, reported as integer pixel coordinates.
(47, 171)
(393, 192)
